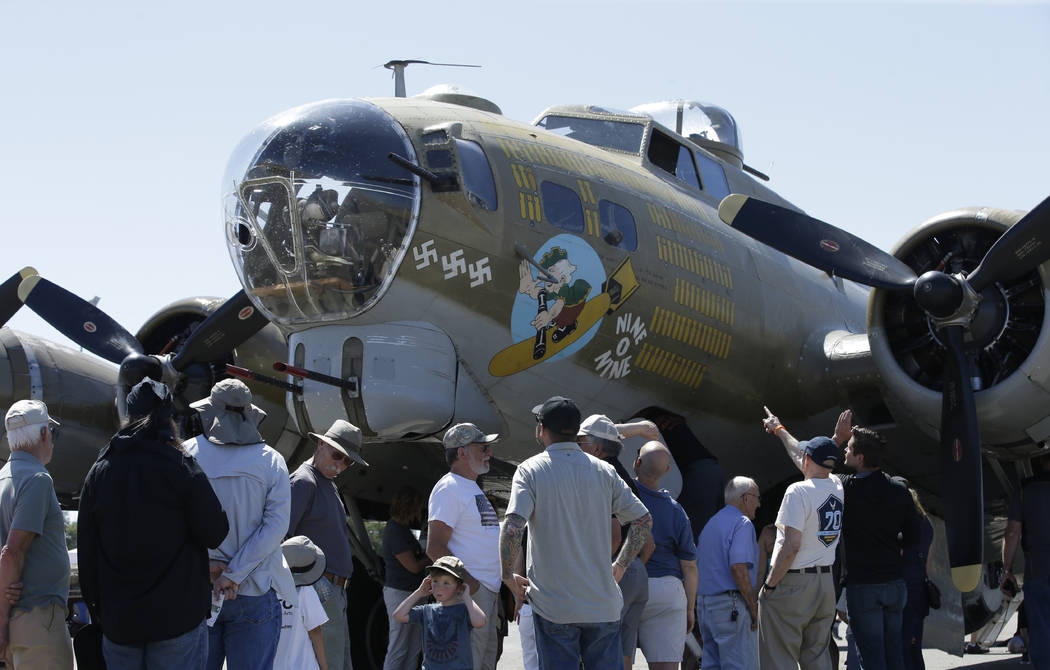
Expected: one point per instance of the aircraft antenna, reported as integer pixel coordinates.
(398, 66)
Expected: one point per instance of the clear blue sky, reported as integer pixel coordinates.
(117, 118)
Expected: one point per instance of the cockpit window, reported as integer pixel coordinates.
(479, 185)
(617, 135)
(713, 176)
(317, 217)
(667, 154)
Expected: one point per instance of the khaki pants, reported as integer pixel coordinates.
(484, 640)
(39, 639)
(794, 623)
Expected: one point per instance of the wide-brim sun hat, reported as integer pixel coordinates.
(228, 415)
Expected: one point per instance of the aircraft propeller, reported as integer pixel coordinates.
(232, 323)
(951, 302)
(9, 302)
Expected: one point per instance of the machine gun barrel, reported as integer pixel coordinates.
(245, 373)
(350, 385)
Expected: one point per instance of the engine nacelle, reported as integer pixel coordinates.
(165, 332)
(1008, 340)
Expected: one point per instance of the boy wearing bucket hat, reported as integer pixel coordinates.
(448, 622)
(301, 646)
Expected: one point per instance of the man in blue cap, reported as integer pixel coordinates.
(797, 600)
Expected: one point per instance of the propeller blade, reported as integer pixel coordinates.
(961, 467)
(234, 322)
(78, 319)
(1020, 249)
(815, 243)
(9, 302)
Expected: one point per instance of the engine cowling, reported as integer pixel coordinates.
(1007, 342)
(167, 330)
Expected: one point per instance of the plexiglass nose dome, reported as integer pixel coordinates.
(317, 216)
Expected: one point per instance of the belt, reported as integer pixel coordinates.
(731, 592)
(812, 570)
(341, 582)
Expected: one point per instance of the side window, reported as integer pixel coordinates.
(670, 156)
(478, 183)
(562, 207)
(686, 169)
(617, 225)
(714, 176)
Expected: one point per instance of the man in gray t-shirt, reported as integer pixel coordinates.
(566, 497)
(33, 532)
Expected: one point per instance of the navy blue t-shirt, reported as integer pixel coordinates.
(446, 636)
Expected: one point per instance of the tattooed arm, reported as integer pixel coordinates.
(639, 530)
(509, 545)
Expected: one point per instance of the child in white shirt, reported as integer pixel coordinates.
(301, 645)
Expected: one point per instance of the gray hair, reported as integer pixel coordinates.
(737, 487)
(24, 437)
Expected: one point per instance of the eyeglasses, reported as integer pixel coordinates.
(483, 447)
(757, 496)
(337, 455)
(54, 431)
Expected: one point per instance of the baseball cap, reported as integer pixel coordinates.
(821, 450)
(558, 414)
(27, 413)
(451, 565)
(463, 434)
(599, 425)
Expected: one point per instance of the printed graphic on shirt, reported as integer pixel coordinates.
(829, 521)
(488, 514)
(442, 639)
(288, 614)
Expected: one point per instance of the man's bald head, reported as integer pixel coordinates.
(654, 460)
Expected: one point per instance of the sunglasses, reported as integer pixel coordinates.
(337, 455)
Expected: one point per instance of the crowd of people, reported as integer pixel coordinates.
(208, 552)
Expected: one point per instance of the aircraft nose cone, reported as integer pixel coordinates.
(319, 218)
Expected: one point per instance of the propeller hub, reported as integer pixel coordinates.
(939, 294)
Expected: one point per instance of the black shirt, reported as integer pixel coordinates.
(876, 510)
(398, 539)
(147, 519)
(1031, 506)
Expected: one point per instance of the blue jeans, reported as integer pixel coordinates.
(1037, 609)
(728, 644)
(245, 634)
(562, 645)
(876, 613)
(189, 650)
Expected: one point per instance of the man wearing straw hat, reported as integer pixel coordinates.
(319, 514)
(251, 481)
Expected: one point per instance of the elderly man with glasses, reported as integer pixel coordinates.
(463, 523)
(318, 513)
(33, 631)
(727, 602)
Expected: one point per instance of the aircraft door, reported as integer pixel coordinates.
(400, 377)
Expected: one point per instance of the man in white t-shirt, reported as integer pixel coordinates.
(797, 600)
(463, 523)
(301, 645)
